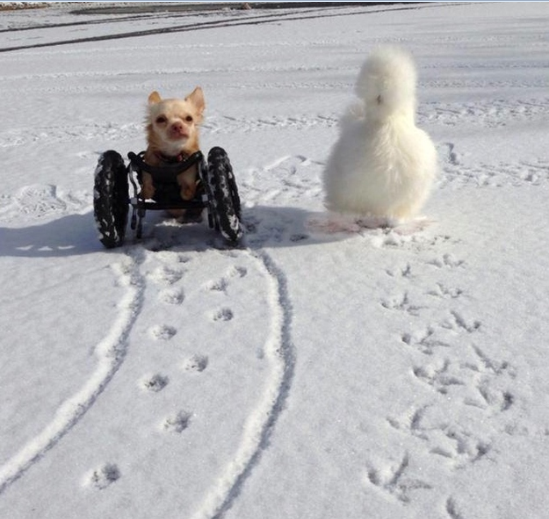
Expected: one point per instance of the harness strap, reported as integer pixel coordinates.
(166, 173)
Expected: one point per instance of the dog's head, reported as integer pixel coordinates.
(172, 124)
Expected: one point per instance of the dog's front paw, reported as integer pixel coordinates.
(147, 186)
(188, 191)
(147, 191)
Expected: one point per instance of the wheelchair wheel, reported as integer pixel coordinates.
(223, 191)
(110, 199)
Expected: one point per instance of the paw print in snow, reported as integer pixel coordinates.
(223, 314)
(196, 363)
(162, 332)
(104, 476)
(177, 423)
(172, 296)
(155, 383)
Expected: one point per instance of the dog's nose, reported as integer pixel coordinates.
(178, 129)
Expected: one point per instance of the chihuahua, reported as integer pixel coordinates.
(172, 136)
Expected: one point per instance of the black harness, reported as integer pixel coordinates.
(166, 189)
(166, 173)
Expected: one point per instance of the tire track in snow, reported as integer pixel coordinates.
(259, 426)
(239, 20)
(236, 21)
(111, 352)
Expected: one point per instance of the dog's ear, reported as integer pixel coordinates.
(154, 98)
(197, 99)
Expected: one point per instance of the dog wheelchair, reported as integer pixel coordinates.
(216, 192)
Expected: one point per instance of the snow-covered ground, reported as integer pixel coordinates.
(303, 375)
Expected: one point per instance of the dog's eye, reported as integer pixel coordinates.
(161, 119)
(189, 118)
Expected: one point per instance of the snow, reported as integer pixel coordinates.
(304, 374)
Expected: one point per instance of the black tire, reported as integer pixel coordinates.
(225, 201)
(110, 199)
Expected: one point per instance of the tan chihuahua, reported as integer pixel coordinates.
(172, 136)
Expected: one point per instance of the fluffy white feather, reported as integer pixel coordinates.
(382, 165)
